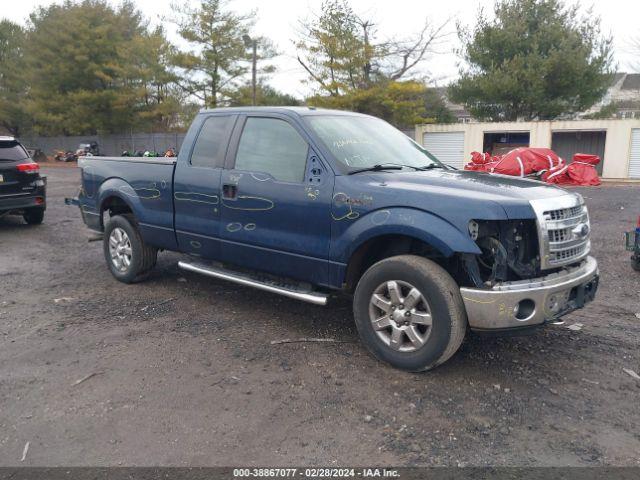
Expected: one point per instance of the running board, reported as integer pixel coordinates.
(316, 298)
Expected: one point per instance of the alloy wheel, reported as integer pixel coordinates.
(400, 315)
(120, 249)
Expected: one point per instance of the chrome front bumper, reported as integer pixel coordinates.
(526, 303)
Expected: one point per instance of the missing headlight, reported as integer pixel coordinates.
(509, 249)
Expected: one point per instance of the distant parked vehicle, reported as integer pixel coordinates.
(22, 189)
(90, 149)
(633, 245)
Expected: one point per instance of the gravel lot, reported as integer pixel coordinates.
(182, 371)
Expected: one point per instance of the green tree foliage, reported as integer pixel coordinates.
(401, 103)
(606, 111)
(219, 56)
(265, 96)
(353, 70)
(13, 116)
(436, 108)
(93, 68)
(332, 50)
(160, 101)
(87, 66)
(537, 59)
(341, 52)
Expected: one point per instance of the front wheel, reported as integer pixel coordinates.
(127, 256)
(635, 262)
(409, 313)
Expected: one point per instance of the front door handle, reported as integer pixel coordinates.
(229, 191)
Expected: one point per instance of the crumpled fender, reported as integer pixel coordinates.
(419, 224)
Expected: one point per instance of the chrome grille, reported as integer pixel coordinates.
(560, 235)
(563, 213)
(567, 254)
(563, 230)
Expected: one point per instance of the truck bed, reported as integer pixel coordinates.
(158, 160)
(145, 184)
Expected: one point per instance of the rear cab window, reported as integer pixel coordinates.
(11, 151)
(273, 146)
(210, 147)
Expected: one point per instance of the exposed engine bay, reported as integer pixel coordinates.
(510, 251)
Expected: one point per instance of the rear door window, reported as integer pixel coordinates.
(211, 144)
(12, 151)
(272, 146)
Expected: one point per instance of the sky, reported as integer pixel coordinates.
(279, 20)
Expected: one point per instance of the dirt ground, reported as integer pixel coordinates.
(179, 370)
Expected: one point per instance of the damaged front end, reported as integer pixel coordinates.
(530, 271)
(510, 251)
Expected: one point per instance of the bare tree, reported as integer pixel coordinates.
(404, 55)
(340, 50)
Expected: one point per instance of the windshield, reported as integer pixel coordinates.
(363, 142)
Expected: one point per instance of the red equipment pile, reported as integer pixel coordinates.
(581, 171)
(481, 162)
(541, 162)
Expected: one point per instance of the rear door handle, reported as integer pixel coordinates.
(229, 191)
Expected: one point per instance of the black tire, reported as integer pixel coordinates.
(34, 216)
(143, 256)
(635, 263)
(441, 293)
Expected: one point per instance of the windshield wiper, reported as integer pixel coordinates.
(377, 168)
(389, 166)
(431, 165)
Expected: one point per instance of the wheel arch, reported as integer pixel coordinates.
(404, 231)
(378, 248)
(117, 197)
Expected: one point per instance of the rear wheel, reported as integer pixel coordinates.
(635, 262)
(127, 256)
(409, 313)
(34, 216)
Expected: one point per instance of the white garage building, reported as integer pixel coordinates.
(617, 142)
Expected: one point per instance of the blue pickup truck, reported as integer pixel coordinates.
(304, 202)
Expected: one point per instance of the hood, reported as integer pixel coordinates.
(510, 194)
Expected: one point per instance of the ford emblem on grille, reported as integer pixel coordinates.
(581, 230)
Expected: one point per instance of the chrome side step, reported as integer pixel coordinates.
(316, 298)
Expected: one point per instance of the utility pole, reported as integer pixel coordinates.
(253, 44)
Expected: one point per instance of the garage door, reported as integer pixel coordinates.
(634, 161)
(566, 144)
(448, 147)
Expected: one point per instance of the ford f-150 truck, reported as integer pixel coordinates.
(303, 202)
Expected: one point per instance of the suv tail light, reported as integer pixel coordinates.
(28, 167)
